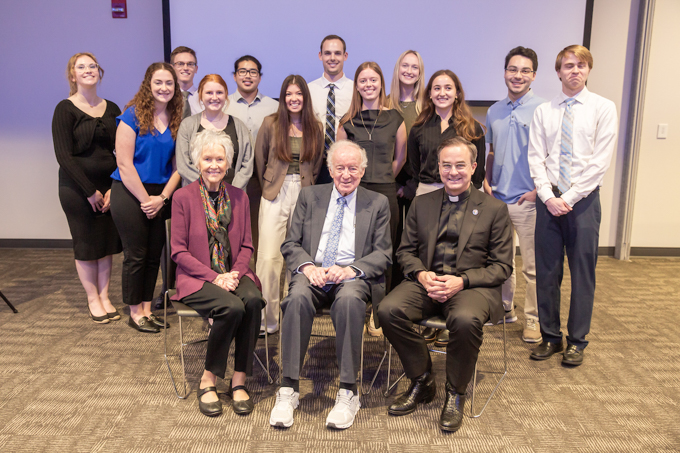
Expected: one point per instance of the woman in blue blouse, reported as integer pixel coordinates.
(143, 184)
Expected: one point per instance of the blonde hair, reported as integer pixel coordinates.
(70, 71)
(580, 52)
(418, 88)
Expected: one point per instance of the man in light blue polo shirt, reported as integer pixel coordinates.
(508, 177)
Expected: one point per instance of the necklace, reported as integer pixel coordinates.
(363, 123)
(294, 129)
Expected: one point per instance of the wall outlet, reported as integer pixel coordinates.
(662, 131)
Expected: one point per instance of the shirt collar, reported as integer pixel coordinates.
(521, 101)
(191, 90)
(460, 198)
(339, 84)
(581, 97)
(240, 97)
(351, 198)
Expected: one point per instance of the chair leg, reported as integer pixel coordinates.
(165, 351)
(265, 369)
(389, 387)
(502, 373)
(375, 376)
(9, 304)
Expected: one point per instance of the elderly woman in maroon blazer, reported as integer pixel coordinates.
(212, 246)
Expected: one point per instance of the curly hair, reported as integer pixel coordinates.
(208, 138)
(70, 71)
(357, 101)
(311, 145)
(463, 120)
(143, 102)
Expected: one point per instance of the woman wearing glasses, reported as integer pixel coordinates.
(445, 115)
(142, 186)
(84, 134)
(287, 157)
(212, 93)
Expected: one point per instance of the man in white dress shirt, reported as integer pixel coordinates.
(571, 142)
(183, 59)
(331, 93)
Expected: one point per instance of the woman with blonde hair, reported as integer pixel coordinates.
(84, 134)
(288, 157)
(212, 94)
(142, 186)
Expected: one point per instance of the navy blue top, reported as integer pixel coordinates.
(153, 152)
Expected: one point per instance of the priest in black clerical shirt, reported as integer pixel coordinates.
(456, 252)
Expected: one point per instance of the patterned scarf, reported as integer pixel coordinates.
(217, 222)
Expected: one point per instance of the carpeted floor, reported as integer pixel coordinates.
(69, 385)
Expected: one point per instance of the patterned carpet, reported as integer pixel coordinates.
(69, 385)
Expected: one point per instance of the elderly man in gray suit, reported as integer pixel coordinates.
(456, 252)
(338, 247)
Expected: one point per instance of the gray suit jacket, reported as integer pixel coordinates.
(373, 246)
(484, 252)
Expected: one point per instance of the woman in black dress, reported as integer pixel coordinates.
(84, 132)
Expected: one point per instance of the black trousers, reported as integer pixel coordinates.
(236, 314)
(577, 232)
(465, 314)
(143, 240)
(390, 191)
(397, 272)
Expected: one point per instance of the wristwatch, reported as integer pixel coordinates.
(164, 198)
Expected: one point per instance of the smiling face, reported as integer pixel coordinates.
(443, 93)
(519, 84)
(332, 57)
(573, 73)
(185, 67)
(294, 100)
(85, 72)
(213, 96)
(409, 70)
(162, 86)
(213, 166)
(368, 85)
(346, 170)
(248, 81)
(456, 168)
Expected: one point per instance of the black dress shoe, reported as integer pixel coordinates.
(452, 412)
(144, 325)
(243, 407)
(115, 316)
(98, 319)
(572, 356)
(429, 334)
(210, 409)
(422, 390)
(442, 339)
(545, 350)
(159, 322)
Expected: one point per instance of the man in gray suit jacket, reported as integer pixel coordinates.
(456, 252)
(338, 247)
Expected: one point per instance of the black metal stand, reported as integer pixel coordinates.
(9, 304)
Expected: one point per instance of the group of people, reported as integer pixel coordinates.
(367, 197)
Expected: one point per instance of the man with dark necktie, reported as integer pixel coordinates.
(183, 59)
(456, 252)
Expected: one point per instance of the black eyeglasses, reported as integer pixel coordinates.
(181, 64)
(523, 71)
(252, 72)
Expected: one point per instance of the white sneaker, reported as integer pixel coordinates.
(347, 405)
(287, 400)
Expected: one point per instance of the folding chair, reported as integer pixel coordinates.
(184, 311)
(9, 304)
(438, 322)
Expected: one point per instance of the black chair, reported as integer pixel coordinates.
(438, 322)
(9, 304)
(184, 311)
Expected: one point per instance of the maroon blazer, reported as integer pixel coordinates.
(189, 239)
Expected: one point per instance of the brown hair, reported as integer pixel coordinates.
(463, 120)
(579, 52)
(216, 78)
(311, 145)
(182, 49)
(70, 71)
(418, 89)
(357, 100)
(143, 102)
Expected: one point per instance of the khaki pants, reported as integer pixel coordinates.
(274, 220)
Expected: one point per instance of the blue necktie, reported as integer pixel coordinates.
(331, 252)
(567, 146)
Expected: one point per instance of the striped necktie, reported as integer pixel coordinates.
(331, 252)
(567, 146)
(329, 137)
